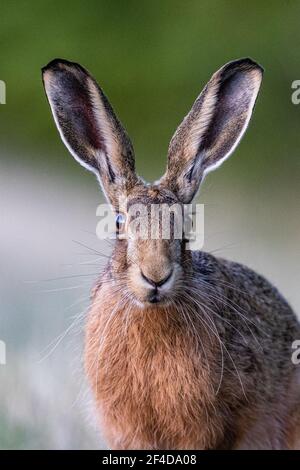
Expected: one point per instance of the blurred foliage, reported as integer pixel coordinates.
(152, 58)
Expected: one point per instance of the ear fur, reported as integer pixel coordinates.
(89, 127)
(213, 128)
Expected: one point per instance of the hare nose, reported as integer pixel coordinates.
(157, 283)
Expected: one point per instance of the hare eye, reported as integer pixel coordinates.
(120, 222)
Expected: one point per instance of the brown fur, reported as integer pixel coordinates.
(147, 382)
(155, 375)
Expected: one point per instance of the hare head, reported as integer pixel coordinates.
(151, 267)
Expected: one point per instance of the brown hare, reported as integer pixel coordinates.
(183, 350)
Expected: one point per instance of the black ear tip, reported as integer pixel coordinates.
(55, 64)
(245, 64)
(252, 64)
(61, 64)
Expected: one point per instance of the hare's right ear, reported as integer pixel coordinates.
(89, 127)
(213, 127)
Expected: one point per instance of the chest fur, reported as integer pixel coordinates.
(151, 379)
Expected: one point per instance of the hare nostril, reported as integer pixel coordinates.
(157, 283)
(147, 279)
(165, 279)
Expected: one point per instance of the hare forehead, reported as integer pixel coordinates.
(151, 194)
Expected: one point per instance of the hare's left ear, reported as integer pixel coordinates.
(213, 128)
(89, 127)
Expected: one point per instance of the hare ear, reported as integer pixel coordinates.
(88, 126)
(213, 128)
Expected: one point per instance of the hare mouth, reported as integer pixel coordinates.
(155, 299)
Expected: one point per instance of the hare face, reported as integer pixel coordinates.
(151, 266)
(154, 245)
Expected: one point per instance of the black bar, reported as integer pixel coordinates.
(138, 459)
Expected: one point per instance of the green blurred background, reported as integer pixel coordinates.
(152, 59)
